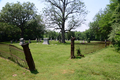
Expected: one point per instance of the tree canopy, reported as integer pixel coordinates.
(23, 18)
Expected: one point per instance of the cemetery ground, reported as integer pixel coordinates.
(53, 63)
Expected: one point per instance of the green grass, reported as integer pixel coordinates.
(53, 63)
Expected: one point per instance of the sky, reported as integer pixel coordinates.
(93, 6)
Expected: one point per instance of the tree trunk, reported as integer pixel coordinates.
(22, 33)
(63, 35)
(63, 30)
(63, 23)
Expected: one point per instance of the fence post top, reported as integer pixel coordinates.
(25, 44)
(72, 38)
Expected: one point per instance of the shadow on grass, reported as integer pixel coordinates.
(35, 72)
(78, 57)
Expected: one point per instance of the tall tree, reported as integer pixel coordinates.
(101, 24)
(104, 23)
(113, 5)
(35, 28)
(61, 12)
(115, 33)
(51, 34)
(18, 14)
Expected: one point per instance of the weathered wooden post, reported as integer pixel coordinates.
(72, 47)
(105, 43)
(28, 56)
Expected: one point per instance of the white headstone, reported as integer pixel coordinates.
(46, 41)
(21, 41)
(83, 41)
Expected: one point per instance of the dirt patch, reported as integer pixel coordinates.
(68, 71)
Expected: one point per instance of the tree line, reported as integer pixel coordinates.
(77, 34)
(106, 23)
(20, 21)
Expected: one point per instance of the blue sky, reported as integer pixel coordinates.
(93, 6)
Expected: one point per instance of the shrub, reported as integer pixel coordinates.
(79, 52)
(88, 40)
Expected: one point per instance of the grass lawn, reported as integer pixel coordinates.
(53, 63)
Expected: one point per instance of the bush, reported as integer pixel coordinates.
(79, 52)
(88, 40)
(117, 46)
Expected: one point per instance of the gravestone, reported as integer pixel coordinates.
(83, 41)
(15, 41)
(29, 41)
(11, 41)
(36, 39)
(51, 39)
(46, 41)
(21, 41)
(40, 39)
(80, 41)
(56, 39)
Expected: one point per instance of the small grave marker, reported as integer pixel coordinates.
(46, 41)
(15, 41)
(11, 41)
(21, 41)
(29, 41)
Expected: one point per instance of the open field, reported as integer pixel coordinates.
(53, 63)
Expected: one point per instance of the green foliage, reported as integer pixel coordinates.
(115, 33)
(35, 28)
(117, 46)
(94, 28)
(88, 40)
(116, 15)
(115, 36)
(51, 34)
(8, 32)
(69, 34)
(22, 19)
(115, 30)
(104, 24)
(78, 51)
(85, 35)
(101, 26)
(78, 35)
(113, 4)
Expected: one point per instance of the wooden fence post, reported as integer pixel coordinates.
(105, 43)
(72, 47)
(28, 56)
